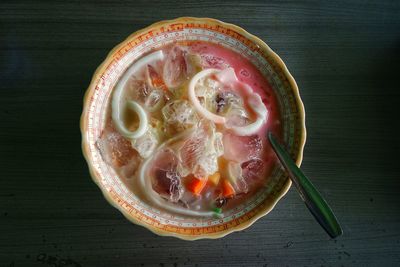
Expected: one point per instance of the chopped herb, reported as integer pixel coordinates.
(217, 210)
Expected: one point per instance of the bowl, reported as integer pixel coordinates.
(157, 35)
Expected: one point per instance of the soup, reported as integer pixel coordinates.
(186, 129)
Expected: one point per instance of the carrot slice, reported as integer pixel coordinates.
(156, 79)
(227, 188)
(196, 186)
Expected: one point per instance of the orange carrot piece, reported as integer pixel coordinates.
(196, 185)
(227, 188)
(156, 78)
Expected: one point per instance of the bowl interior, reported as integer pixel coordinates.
(151, 38)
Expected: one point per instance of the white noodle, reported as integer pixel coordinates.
(254, 101)
(143, 122)
(117, 106)
(195, 101)
(145, 183)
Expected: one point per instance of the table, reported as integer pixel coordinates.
(345, 56)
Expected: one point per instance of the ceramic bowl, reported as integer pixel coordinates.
(157, 35)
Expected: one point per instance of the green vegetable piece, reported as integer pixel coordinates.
(217, 210)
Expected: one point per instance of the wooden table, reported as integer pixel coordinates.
(345, 57)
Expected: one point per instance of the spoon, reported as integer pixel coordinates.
(310, 195)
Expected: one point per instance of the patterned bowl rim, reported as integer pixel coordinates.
(267, 208)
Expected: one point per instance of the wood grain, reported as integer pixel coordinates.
(345, 57)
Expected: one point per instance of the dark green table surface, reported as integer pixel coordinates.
(345, 56)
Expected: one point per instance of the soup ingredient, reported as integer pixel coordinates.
(225, 100)
(166, 180)
(155, 100)
(168, 184)
(198, 153)
(117, 151)
(252, 169)
(143, 122)
(220, 202)
(254, 101)
(155, 79)
(227, 189)
(237, 119)
(235, 177)
(175, 69)
(178, 116)
(114, 148)
(217, 210)
(153, 196)
(196, 185)
(147, 143)
(199, 77)
(234, 172)
(214, 179)
(218, 144)
(241, 148)
(206, 90)
(228, 77)
(118, 107)
(231, 105)
(137, 89)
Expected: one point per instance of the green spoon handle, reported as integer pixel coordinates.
(310, 195)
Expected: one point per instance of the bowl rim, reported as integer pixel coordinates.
(264, 210)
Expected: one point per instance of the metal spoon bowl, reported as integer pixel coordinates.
(310, 195)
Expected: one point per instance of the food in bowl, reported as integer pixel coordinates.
(117, 154)
(186, 126)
